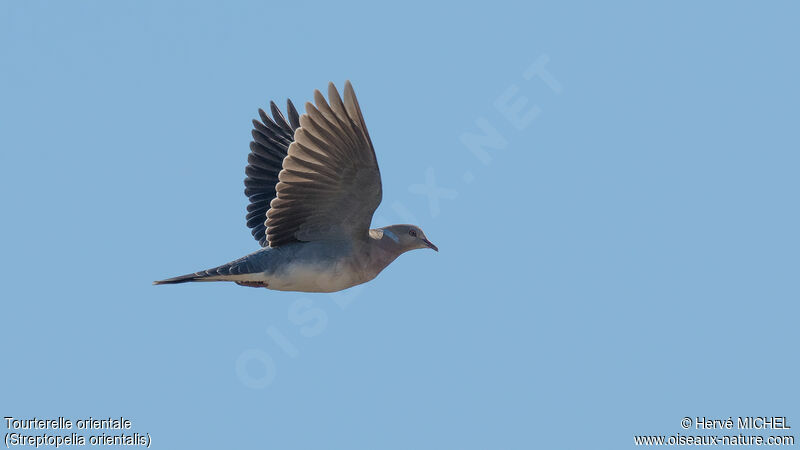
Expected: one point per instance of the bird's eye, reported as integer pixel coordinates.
(412, 233)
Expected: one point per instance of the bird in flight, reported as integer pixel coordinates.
(313, 184)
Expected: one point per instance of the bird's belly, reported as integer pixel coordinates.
(304, 277)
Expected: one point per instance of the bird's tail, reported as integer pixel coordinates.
(233, 271)
(197, 276)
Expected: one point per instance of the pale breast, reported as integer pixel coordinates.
(304, 277)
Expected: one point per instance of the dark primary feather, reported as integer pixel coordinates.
(271, 140)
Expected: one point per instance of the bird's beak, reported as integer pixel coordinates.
(430, 244)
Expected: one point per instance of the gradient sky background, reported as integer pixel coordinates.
(625, 258)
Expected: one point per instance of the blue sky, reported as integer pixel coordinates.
(619, 253)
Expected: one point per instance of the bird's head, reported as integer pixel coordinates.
(407, 237)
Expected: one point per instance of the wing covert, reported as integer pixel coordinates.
(329, 185)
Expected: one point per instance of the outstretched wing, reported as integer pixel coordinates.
(271, 139)
(330, 184)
